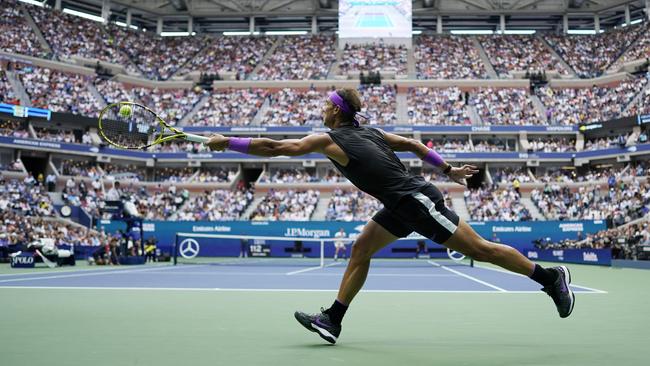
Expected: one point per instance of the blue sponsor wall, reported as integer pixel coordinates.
(517, 234)
(602, 257)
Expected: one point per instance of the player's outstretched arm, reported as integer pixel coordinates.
(269, 147)
(458, 175)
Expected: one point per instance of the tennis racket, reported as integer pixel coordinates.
(129, 125)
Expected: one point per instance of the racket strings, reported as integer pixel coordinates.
(130, 126)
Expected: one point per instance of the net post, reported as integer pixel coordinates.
(322, 253)
(175, 249)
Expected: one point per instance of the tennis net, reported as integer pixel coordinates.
(244, 250)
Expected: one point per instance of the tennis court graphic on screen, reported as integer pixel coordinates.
(375, 19)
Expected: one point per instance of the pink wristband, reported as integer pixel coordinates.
(433, 158)
(239, 144)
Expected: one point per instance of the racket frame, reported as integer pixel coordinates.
(176, 133)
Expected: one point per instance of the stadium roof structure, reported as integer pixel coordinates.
(215, 16)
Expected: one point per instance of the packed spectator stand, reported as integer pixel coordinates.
(522, 53)
(447, 57)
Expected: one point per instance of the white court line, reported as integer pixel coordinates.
(520, 275)
(267, 290)
(229, 273)
(78, 270)
(468, 277)
(595, 290)
(310, 269)
(88, 274)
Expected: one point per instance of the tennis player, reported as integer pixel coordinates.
(366, 156)
(339, 244)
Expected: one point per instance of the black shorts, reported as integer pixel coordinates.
(423, 212)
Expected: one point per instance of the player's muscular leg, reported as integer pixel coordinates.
(373, 238)
(468, 242)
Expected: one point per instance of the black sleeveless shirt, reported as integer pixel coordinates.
(374, 168)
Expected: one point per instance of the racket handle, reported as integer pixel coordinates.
(196, 138)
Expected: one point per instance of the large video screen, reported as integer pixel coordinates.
(375, 18)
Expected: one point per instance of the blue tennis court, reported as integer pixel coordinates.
(374, 20)
(268, 275)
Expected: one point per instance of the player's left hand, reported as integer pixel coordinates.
(459, 175)
(218, 142)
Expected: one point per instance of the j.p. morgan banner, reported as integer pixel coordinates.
(517, 234)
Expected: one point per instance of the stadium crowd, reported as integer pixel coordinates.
(293, 107)
(641, 105)
(437, 106)
(448, 145)
(494, 145)
(626, 242)
(299, 175)
(239, 54)
(173, 175)
(555, 144)
(519, 53)
(113, 92)
(575, 106)
(510, 175)
(218, 204)
(131, 171)
(283, 205)
(230, 107)
(591, 55)
(215, 175)
(79, 168)
(351, 205)
(57, 91)
(170, 104)
(379, 104)
(373, 58)
(447, 57)
(27, 197)
(622, 203)
(13, 129)
(637, 51)
(16, 35)
(69, 35)
(607, 142)
(156, 57)
(495, 204)
(300, 57)
(510, 106)
(7, 94)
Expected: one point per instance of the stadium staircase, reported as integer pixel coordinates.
(459, 207)
(557, 56)
(268, 54)
(19, 89)
(637, 98)
(187, 62)
(56, 198)
(402, 107)
(321, 207)
(538, 105)
(473, 115)
(256, 202)
(530, 206)
(100, 99)
(632, 45)
(197, 107)
(334, 69)
(492, 74)
(257, 120)
(36, 29)
(410, 64)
